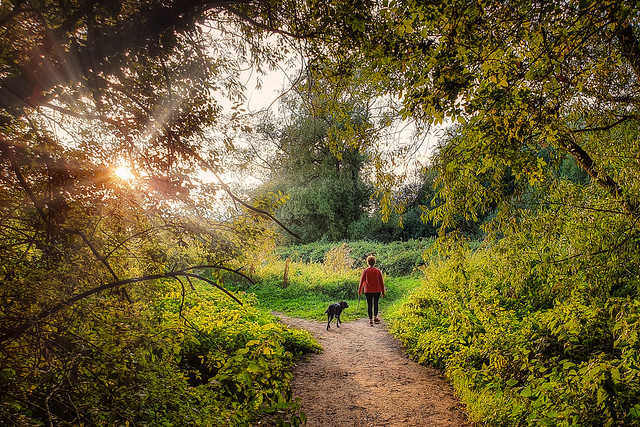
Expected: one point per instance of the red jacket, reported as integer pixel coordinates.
(371, 281)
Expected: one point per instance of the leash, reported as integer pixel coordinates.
(358, 306)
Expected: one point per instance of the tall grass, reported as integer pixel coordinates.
(395, 259)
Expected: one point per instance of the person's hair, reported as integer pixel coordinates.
(371, 260)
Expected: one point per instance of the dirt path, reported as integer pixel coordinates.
(362, 378)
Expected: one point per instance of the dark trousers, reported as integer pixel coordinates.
(372, 303)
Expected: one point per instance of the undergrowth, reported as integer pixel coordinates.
(526, 346)
(199, 360)
(524, 341)
(395, 259)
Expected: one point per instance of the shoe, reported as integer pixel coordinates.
(376, 320)
(370, 323)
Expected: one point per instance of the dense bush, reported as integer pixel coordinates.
(201, 360)
(373, 227)
(531, 343)
(395, 259)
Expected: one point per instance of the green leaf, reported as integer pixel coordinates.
(635, 411)
(602, 396)
(526, 392)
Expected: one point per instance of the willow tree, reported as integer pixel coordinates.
(316, 153)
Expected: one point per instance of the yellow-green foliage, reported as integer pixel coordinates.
(521, 350)
(338, 259)
(395, 259)
(312, 286)
(192, 358)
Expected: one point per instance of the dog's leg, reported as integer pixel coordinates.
(329, 317)
(338, 321)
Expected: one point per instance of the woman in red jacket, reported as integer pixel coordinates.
(372, 284)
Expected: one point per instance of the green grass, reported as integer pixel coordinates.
(520, 346)
(311, 288)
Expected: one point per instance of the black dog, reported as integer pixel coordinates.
(335, 310)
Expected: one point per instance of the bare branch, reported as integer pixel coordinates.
(262, 26)
(133, 236)
(235, 198)
(585, 161)
(117, 124)
(93, 250)
(217, 267)
(9, 153)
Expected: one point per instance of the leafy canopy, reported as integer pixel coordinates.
(520, 76)
(87, 87)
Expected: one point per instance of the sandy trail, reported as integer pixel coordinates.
(363, 378)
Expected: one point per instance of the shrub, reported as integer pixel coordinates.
(338, 259)
(395, 259)
(201, 360)
(521, 351)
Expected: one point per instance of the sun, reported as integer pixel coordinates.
(124, 173)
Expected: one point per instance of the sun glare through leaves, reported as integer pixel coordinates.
(124, 173)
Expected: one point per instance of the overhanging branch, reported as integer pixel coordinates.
(606, 127)
(18, 331)
(585, 161)
(235, 198)
(629, 46)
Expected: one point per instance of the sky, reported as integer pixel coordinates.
(266, 97)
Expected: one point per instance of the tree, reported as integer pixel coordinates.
(85, 87)
(405, 222)
(521, 76)
(535, 86)
(317, 157)
(83, 84)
